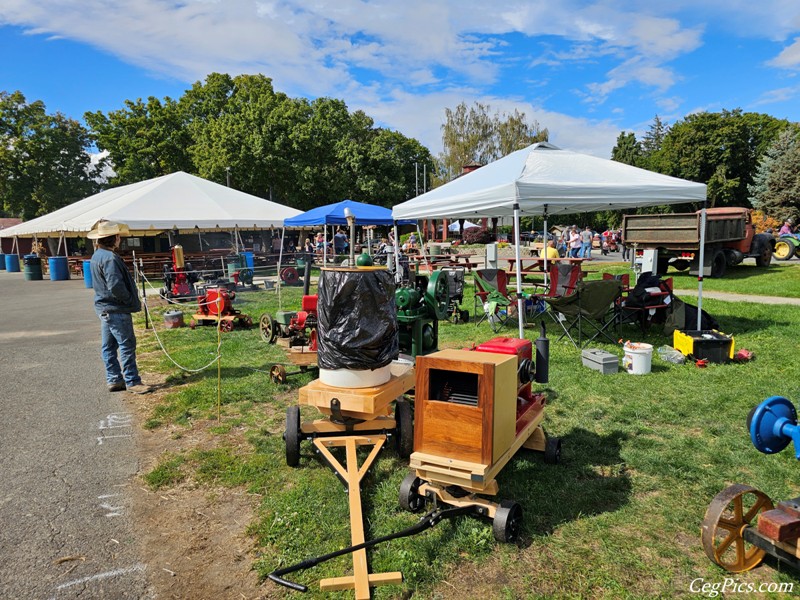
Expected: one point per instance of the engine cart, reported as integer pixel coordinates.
(455, 279)
(474, 409)
(742, 524)
(215, 306)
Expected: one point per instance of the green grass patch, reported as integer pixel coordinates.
(642, 458)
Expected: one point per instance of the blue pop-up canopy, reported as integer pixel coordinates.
(333, 214)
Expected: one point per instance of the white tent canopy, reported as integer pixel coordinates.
(176, 201)
(455, 226)
(544, 180)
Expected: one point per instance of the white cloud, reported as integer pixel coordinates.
(778, 95)
(789, 58)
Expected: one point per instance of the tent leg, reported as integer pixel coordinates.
(520, 301)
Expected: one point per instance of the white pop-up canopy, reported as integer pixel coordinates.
(544, 180)
(176, 201)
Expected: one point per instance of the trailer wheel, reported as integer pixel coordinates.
(507, 521)
(292, 436)
(278, 374)
(410, 499)
(552, 451)
(404, 432)
(718, 264)
(226, 325)
(784, 250)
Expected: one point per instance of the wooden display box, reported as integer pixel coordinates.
(465, 405)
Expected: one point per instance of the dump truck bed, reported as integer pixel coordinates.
(681, 231)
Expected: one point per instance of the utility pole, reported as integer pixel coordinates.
(416, 179)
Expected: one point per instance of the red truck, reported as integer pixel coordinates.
(730, 238)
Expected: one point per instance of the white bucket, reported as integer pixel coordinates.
(638, 358)
(350, 378)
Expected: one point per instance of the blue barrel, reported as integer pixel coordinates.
(12, 263)
(2, 262)
(59, 268)
(87, 273)
(249, 260)
(33, 267)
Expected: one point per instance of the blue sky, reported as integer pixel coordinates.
(585, 70)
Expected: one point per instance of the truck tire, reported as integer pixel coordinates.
(764, 257)
(784, 250)
(719, 264)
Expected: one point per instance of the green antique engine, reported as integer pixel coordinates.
(419, 309)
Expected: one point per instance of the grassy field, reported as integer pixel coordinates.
(619, 517)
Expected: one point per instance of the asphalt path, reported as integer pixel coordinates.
(67, 452)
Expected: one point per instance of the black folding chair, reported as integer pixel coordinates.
(589, 310)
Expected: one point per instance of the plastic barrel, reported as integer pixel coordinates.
(234, 262)
(2, 262)
(59, 268)
(12, 263)
(87, 273)
(249, 260)
(33, 267)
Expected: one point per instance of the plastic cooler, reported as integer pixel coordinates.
(711, 345)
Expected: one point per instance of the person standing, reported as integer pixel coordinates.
(626, 251)
(574, 243)
(115, 300)
(586, 243)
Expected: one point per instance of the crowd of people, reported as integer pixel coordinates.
(579, 243)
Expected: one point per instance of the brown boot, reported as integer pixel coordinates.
(119, 386)
(140, 388)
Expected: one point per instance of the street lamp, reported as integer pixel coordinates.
(351, 221)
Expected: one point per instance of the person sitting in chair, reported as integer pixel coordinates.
(549, 251)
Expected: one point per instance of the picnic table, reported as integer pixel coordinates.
(535, 264)
(448, 259)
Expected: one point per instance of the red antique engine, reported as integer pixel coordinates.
(179, 278)
(215, 305)
(300, 327)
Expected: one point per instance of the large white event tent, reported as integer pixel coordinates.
(178, 201)
(543, 180)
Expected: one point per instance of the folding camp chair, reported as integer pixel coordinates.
(562, 279)
(492, 302)
(645, 305)
(590, 309)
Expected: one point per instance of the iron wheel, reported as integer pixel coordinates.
(729, 514)
(278, 374)
(410, 499)
(269, 328)
(292, 436)
(507, 522)
(226, 325)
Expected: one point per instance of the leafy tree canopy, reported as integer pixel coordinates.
(44, 160)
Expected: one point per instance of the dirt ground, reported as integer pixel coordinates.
(193, 538)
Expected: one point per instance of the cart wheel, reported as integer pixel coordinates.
(292, 436)
(226, 326)
(507, 521)
(552, 451)
(269, 328)
(404, 432)
(465, 316)
(247, 321)
(729, 514)
(410, 499)
(278, 374)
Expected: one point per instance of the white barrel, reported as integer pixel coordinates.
(352, 378)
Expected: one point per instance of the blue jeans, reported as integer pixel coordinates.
(116, 331)
(586, 250)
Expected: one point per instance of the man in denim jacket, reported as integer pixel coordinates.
(115, 299)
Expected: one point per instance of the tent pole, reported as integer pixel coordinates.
(280, 258)
(545, 243)
(422, 247)
(324, 244)
(520, 301)
(701, 265)
(398, 276)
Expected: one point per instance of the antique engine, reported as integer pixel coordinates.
(419, 309)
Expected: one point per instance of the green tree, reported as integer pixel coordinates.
(474, 134)
(143, 140)
(718, 149)
(44, 159)
(776, 184)
(627, 150)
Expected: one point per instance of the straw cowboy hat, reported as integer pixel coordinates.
(107, 229)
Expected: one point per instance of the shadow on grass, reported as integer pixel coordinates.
(591, 479)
